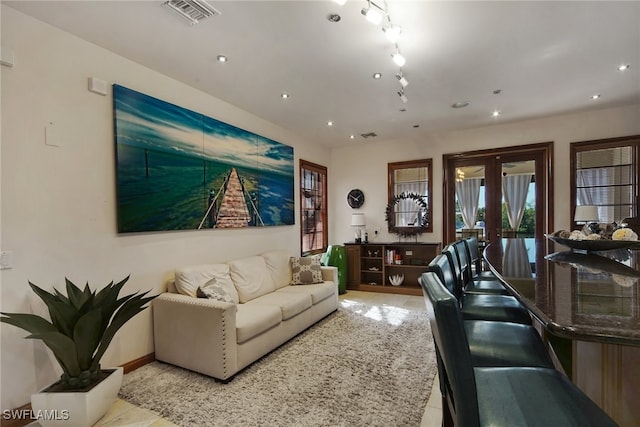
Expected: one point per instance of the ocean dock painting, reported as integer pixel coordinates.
(180, 170)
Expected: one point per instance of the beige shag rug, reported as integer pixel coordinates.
(361, 366)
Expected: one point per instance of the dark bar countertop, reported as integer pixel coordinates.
(590, 296)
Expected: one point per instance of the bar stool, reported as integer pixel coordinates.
(503, 308)
(475, 259)
(471, 284)
(497, 396)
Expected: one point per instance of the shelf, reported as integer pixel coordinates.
(360, 259)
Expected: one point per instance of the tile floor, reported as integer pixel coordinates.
(124, 414)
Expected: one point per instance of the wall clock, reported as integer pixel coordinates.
(355, 198)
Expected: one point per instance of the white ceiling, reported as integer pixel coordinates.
(547, 58)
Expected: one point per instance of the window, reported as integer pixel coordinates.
(411, 177)
(313, 208)
(606, 173)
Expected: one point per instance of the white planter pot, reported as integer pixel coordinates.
(77, 409)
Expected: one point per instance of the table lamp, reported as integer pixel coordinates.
(586, 214)
(357, 220)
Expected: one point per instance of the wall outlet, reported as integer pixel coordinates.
(376, 231)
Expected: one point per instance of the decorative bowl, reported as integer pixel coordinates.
(595, 245)
(396, 279)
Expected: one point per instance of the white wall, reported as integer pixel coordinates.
(364, 165)
(58, 203)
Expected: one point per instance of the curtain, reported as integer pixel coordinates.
(408, 212)
(468, 192)
(605, 188)
(514, 191)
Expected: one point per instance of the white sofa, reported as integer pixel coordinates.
(219, 338)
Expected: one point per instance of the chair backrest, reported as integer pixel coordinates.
(442, 266)
(450, 252)
(465, 263)
(474, 253)
(447, 327)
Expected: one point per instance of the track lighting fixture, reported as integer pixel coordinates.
(392, 32)
(398, 59)
(403, 82)
(373, 15)
(402, 96)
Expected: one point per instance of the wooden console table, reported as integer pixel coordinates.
(371, 264)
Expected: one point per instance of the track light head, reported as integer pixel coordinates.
(398, 59)
(402, 96)
(373, 14)
(403, 82)
(392, 32)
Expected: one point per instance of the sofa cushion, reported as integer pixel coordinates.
(279, 267)
(189, 278)
(290, 303)
(318, 292)
(255, 319)
(251, 277)
(305, 270)
(218, 291)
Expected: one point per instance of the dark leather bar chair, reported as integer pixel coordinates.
(475, 258)
(498, 396)
(503, 308)
(471, 284)
(493, 343)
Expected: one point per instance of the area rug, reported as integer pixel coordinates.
(364, 365)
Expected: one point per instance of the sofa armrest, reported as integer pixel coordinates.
(196, 333)
(330, 274)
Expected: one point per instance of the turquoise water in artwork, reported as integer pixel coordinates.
(170, 160)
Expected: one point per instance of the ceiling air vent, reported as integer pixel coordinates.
(193, 11)
(369, 135)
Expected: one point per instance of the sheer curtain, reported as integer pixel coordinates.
(591, 180)
(409, 212)
(468, 192)
(514, 190)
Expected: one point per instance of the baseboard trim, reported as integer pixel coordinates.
(24, 412)
(23, 417)
(139, 362)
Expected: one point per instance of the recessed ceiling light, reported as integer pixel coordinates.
(352, 136)
(377, 75)
(596, 96)
(497, 91)
(284, 95)
(496, 113)
(416, 126)
(334, 17)
(222, 58)
(329, 123)
(623, 67)
(460, 104)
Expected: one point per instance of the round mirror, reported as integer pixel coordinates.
(407, 214)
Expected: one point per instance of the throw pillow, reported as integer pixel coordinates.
(306, 270)
(214, 290)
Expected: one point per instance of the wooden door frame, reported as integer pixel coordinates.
(544, 206)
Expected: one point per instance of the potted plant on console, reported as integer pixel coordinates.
(83, 323)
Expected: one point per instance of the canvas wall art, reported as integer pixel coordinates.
(178, 170)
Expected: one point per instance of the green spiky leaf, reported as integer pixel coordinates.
(83, 324)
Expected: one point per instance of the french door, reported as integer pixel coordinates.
(498, 193)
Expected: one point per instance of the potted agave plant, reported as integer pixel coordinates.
(82, 325)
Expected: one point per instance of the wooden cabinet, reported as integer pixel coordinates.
(372, 264)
